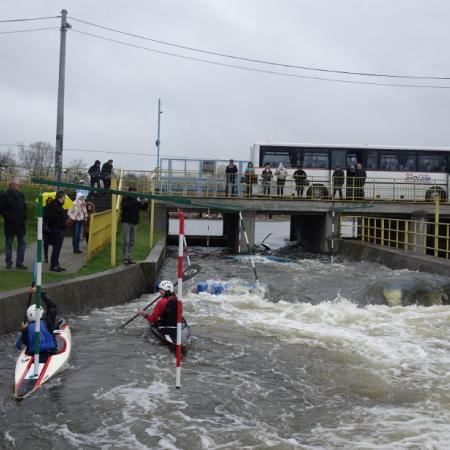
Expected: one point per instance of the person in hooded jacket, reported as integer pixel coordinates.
(78, 214)
(164, 313)
(131, 207)
(95, 173)
(47, 326)
(56, 220)
(281, 173)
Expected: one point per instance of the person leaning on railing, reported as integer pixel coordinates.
(250, 178)
(338, 181)
(231, 174)
(266, 177)
(281, 173)
(360, 181)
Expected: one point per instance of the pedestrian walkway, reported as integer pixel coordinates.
(72, 262)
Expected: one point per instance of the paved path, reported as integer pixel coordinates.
(72, 262)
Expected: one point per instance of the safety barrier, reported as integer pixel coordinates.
(415, 236)
(314, 188)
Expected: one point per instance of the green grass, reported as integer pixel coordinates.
(99, 263)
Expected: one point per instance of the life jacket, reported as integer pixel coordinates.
(169, 317)
(47, 341)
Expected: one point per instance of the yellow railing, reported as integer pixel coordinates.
(416, 236)
(99, 232)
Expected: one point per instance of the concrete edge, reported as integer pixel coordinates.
(111, 287)
(393, 258)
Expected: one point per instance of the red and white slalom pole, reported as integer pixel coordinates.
(179, 295)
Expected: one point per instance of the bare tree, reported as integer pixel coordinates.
(37, 158)
(7, 165)
(76, 171)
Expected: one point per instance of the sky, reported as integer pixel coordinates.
(213, 111)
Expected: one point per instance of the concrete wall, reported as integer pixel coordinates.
(112, 287)
(393, 258)
(312, 231)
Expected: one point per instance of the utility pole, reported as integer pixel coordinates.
(158, 142)
(60, 110)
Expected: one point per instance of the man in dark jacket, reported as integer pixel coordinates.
(301, 180)
(131, 207)
(106, 173)
(14, 210)
(360, 181)
(230, 173)
(95, 173)
(56, 221)
(338, 181)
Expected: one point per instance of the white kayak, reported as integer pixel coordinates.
(25, 381)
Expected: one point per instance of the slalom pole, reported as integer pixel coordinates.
(37, 329)
(248, 247)
(187, 251)
(179, 295)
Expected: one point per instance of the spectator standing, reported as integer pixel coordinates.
(249, 176)
(301, 180)
(95, 173)
(360, 181)
(131, 207)
(231, 174)
(90, 208)
(78, 214)
(14, 210)
(45, 229)
(57, 218)
(349, 193)
(281, 173)
(266, 176)
(338, 178)
(106, 173)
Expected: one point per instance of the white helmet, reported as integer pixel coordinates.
(166, 285)
(31, 313)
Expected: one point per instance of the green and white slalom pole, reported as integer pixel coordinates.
(37, 334)
(249, 247)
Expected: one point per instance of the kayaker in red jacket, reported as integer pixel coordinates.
(165, 311)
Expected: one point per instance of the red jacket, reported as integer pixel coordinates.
(160, 309)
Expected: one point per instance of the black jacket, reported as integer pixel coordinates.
(14, 209)
(231, 173)
(300, 177)
(130, 210)
(56, 216)
(106, 170)
(94, 171)
(338, 177)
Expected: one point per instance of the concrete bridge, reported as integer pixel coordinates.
(314, 222)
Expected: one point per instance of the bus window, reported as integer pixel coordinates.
(275, 158)
(432, 163)
(389, 161)
(372, 160)
(353, 158)
(338, 158)
(407, 161)
(315, 159)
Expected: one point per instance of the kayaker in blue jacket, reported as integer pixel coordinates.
(47, 326)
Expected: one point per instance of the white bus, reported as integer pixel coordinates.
(393, 173)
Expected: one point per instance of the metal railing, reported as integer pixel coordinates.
(415, 236)
(315, 188)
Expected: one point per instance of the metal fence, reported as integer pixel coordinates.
(415, 236)
(186, 183)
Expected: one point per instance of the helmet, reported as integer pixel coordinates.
(31, 313)
(166, 285)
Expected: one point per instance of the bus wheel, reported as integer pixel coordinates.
(317, 191)
(429, 196)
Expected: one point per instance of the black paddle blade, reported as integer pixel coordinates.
(191, 271)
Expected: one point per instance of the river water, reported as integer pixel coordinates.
(312, 360)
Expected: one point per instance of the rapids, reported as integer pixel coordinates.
(315, 361)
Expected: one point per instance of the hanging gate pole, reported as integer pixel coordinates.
(179, 295)
(248, 247)
(37, 329)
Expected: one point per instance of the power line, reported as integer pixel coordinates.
(28, 30)
(260, 61)
(28, 19)
(253, 69)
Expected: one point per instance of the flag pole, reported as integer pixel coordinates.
(179, 295)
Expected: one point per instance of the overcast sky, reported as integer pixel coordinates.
(219, 112)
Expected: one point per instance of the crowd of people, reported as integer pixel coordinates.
(353, 178)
